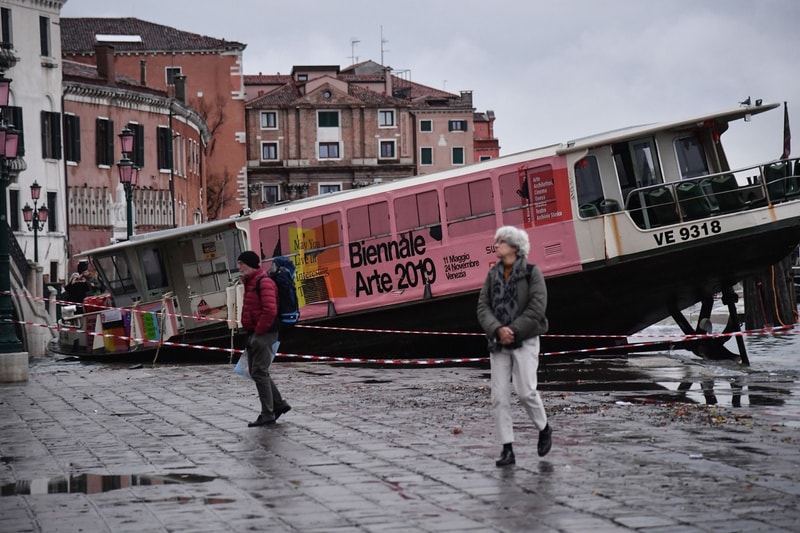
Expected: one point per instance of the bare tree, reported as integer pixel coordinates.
(219, 195)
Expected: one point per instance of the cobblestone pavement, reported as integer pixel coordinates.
(167, 448)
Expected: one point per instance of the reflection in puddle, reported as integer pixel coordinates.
(94, 483)
(665, 378)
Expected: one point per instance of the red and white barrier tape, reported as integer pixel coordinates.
(399, 361)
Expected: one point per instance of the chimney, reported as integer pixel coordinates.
(387, 76)
(466, 97)
(104, 57)
(180, 88)
(143, 72)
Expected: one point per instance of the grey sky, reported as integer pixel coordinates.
(552, 70)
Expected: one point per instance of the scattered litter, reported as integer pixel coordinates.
(695, 456)
(620, 402)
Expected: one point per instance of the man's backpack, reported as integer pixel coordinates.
(282, 273)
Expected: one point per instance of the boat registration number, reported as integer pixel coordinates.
(687, 233)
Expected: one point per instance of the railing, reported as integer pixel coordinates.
(18, 256)
(713, 194)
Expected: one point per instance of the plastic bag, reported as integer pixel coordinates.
(241, 367)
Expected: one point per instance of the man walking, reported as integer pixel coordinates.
(259, 313)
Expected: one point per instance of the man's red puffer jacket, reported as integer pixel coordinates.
(259, 313)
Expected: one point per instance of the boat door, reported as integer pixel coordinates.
(637, 164)
(207, 267)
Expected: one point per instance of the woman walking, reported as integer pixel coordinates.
(511, 310)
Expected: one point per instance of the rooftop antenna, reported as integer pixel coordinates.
(383, 41)
(353, 57)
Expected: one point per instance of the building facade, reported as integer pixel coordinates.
(168, 146)
(321, 129)
(207, 70)
(31, 40)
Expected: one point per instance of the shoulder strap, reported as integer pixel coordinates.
(530, 271)
(258, 285)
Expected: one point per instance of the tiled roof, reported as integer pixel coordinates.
(78, 36)
(83, 73)
(74, 69)
(290, 94)
(267, 79)
(282, 96)
(374, 98)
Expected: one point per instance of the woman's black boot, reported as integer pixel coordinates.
(506, 456)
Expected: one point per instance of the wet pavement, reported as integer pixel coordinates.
(659, 443)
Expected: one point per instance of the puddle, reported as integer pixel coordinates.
(95, 483)
(677, 377)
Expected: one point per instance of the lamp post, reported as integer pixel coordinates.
(37, 224)
(9, 138)
(128, 174)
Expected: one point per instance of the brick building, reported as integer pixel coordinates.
(321, 129)
(159, 56)
(168, 141)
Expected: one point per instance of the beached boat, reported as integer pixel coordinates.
(629, 227)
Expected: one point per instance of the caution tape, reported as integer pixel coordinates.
(150, 344)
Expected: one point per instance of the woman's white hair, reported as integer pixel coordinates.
(515, 237)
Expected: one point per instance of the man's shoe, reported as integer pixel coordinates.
(545, 442)
(261, 421)
(282, 410)
(506, 458)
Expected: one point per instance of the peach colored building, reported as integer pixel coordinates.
(162, 57)
(168, 148)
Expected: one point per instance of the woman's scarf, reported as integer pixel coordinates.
(504, 293)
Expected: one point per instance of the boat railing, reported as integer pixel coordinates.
(713, 194)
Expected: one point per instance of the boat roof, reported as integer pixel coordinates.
(611, 137)
(553, 150)
(586, 143)
(167, 234)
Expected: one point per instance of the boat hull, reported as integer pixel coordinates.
(606, 300)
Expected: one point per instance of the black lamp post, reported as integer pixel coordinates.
(9, 139)
(128, 174)
(37, 224)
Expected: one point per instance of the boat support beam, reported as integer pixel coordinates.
(713, 348)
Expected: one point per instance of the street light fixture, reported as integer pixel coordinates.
(9, 142)
(128, 174)
(36, 225)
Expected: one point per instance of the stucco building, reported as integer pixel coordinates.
(211, 69)
(32, 44)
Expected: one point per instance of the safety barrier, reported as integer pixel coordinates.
(783, 330)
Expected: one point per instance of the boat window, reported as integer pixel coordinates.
(368, 221)
(645, 163)
(587, 181)
(636, 163)
(514, 197)
(155, 274)
(469, 207)
(691, 157)
(117, 274)
(323, 230)
(276, 240)
(417, 211)
(233, 249)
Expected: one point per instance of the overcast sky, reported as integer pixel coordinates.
(551, 70)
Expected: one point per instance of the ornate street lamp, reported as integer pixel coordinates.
(128, 174)
(37, 224)
(9, 142)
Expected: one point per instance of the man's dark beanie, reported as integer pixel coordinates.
(250, 259)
